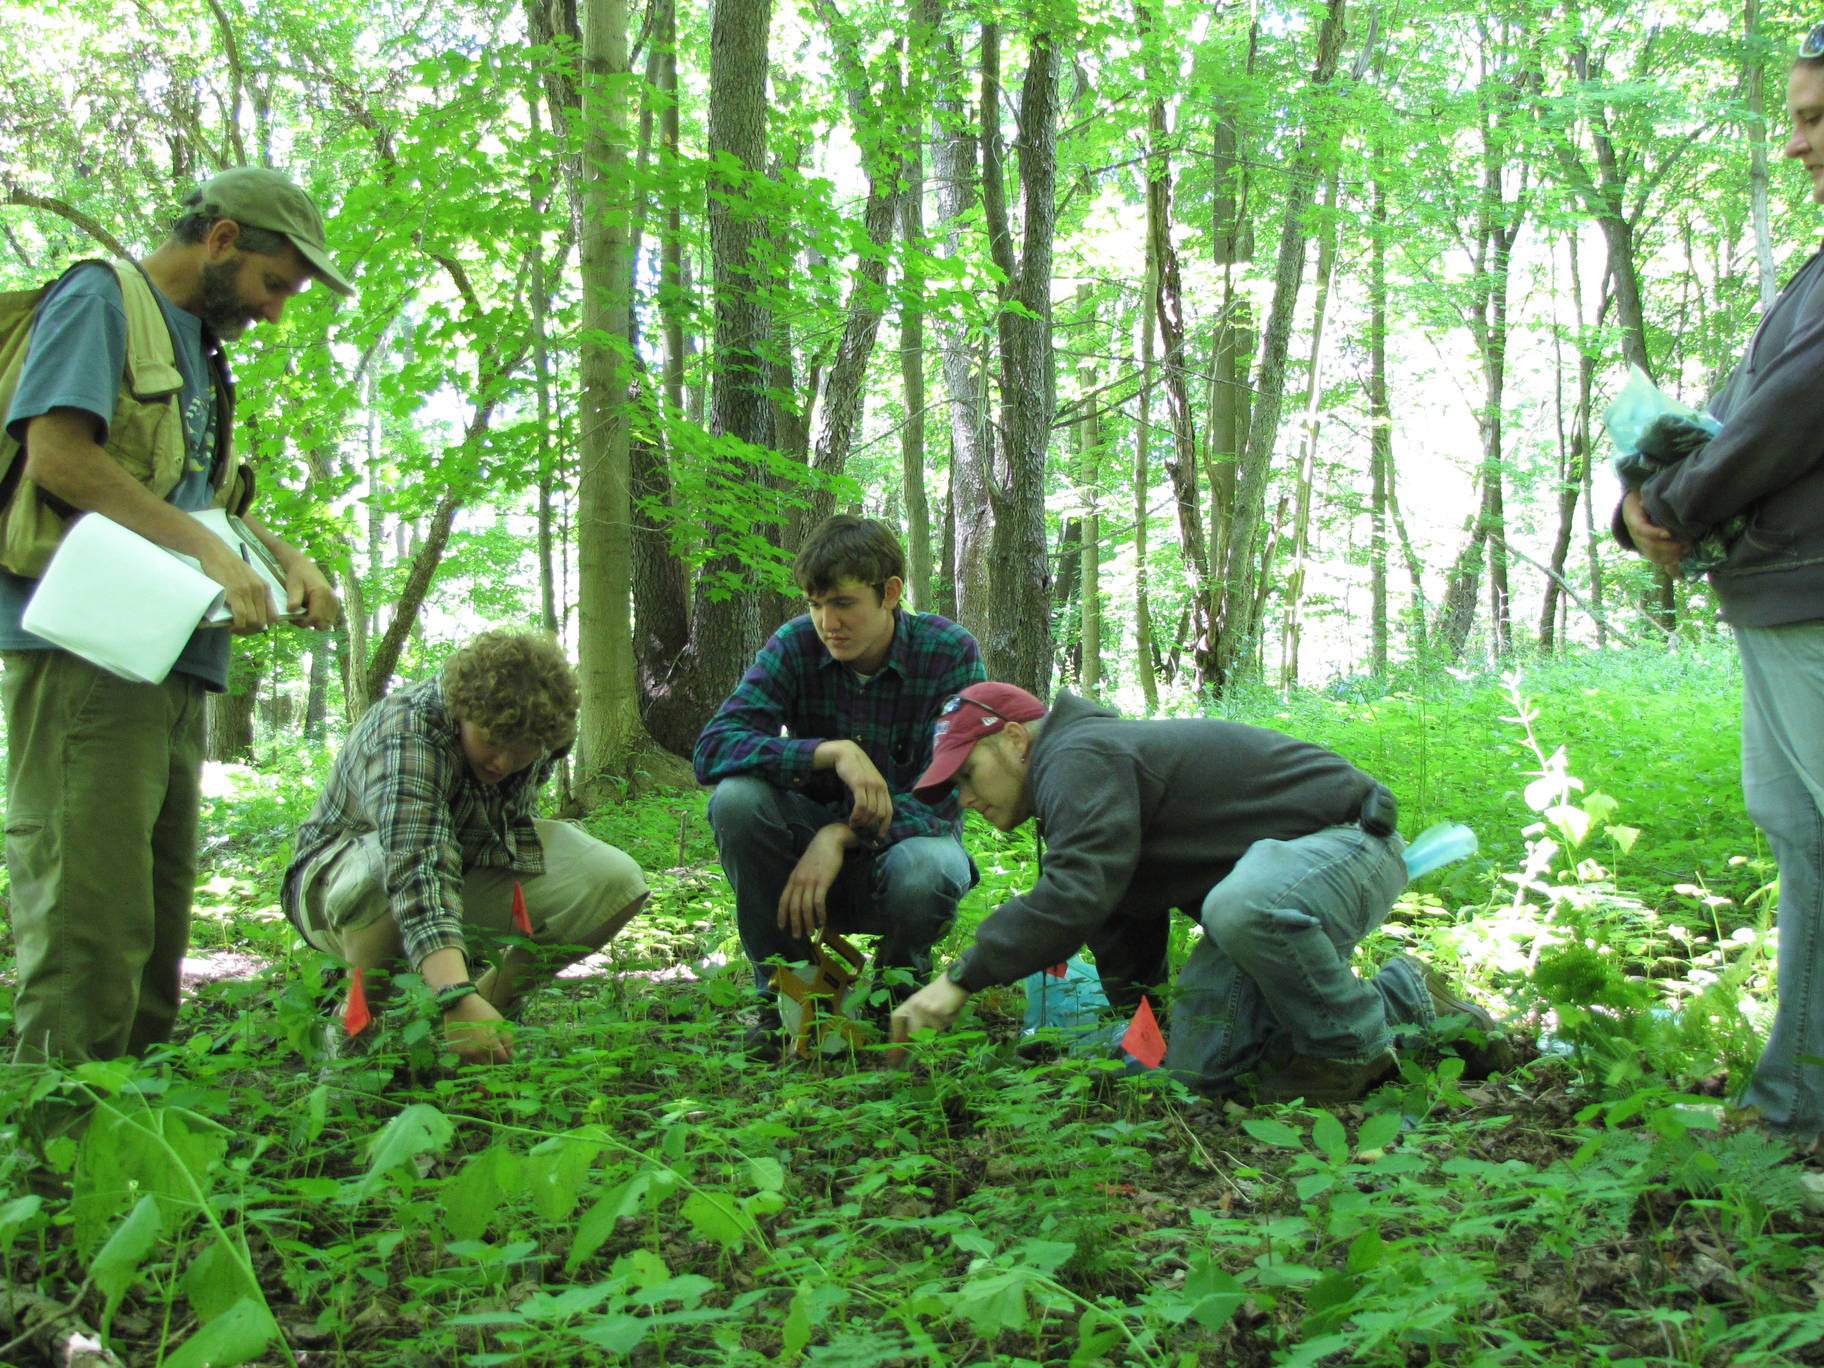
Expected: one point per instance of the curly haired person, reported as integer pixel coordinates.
(426, 824)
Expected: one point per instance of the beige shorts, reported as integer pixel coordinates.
(585, 883)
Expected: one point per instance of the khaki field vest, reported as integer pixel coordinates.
(146, 434)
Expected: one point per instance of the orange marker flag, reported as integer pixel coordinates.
(1143, 1040)
(355, 1016)
(1058, 970)
(520, 919)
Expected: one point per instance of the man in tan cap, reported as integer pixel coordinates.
(123, 405)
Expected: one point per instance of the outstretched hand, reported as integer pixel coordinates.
(804, 905)
(477, 1032)
(935, 1007)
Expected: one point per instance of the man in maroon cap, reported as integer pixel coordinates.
(1285, 851)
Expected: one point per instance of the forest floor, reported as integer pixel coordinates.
(974, 1209)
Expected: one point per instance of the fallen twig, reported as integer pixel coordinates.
(57, 1331)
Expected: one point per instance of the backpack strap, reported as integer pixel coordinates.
(151, 355)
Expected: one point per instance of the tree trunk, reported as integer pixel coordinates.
(230, 718)
(1380, 434)
(725, 628)
(426, 557)
(954, 167)
(912, 384)
(316, 694)
(1145, 654)
(1235, 638)
(539, 297)
(1017, 646)
(1293, 625)
(1167, 305)
(1089, 479)
(610, 735)
(1573, 466)
(1232, 345)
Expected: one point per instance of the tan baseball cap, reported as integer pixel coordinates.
(263, 198)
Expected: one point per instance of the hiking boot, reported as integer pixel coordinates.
(1324, 1082)
(1462, 1026)
(765, 1039)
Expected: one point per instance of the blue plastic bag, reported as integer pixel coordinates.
(1071, 1006)
(1439, 845)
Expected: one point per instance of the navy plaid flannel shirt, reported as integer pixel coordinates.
(796, 695)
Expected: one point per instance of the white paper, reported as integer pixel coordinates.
(119, 601)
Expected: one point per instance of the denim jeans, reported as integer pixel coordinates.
(1270, 976)
(102, 799)
(905, 894)
(1783, 778)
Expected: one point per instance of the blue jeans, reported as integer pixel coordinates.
(1783, 779)
(905, 894)
(1270, 977)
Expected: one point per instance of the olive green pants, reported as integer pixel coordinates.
(102, 798)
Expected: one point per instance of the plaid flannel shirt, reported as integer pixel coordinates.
(796, 695)
(402, 775)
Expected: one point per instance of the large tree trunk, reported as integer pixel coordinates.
(1017, 646)
(230, 718)
(954, 158)
(610, 736)
(1232, 345)
(725, 628)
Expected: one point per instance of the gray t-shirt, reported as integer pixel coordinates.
(78, 353)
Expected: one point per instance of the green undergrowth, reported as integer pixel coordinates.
(631, 1190)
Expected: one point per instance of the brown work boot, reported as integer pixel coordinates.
(1324, 1082)
(1463, 1027)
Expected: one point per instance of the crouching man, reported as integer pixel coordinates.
(1285, 851)
(426, 825)
(813, 757)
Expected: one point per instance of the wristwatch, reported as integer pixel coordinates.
(453, 994)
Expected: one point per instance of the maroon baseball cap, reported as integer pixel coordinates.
(979, 710)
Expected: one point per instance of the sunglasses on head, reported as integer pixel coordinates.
(1812, 44)
(956, 701)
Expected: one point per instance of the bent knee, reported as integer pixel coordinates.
(1238, 925)
(741, 804)
(924, 870)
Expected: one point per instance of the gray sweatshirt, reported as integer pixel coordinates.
(1140, 817)
(1768, 463)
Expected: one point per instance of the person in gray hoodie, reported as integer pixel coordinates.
(1284, 851)
(1766, 465)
